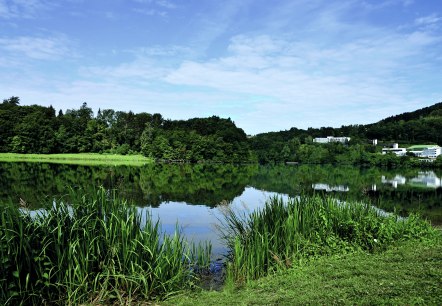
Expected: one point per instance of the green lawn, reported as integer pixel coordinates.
(408, 274)
(78, 159)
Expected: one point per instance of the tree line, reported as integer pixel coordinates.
(39, 129)
(423, 126)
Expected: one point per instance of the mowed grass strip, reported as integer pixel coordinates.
(78, 158)
(407, 274)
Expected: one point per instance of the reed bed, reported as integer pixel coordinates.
(93, 249)
(283, 233)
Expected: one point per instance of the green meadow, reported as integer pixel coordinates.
(78, 159)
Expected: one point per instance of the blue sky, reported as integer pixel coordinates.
(268, 65)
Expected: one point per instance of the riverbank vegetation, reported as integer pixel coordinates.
(322, 251)
(284, 233)
(408, 273)
(97, 249)
(91, 248)
(38, 129)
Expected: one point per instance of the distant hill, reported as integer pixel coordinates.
(430, 111)
(423, 126)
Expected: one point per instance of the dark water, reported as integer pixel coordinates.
(194, 195)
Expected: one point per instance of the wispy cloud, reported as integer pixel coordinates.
(38, 48)
(430, 23)
(24, 8)
(150, 12)
(136, 72)
(166, 4)
(309, 78)
(268, 67)
(154, 7)
(163, 3)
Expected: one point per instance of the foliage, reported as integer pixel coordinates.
(95, 248)
(409, 273)
(420, 126)
(283, 233)
(36, 129)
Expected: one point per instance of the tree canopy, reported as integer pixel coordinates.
(37, 129)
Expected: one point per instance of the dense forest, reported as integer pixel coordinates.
(39, 129)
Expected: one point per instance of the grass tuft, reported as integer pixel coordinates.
(283, 234)
(94, 249)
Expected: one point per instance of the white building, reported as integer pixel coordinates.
(426, 151)
(433, 152)
(329, 139)
(395, 150)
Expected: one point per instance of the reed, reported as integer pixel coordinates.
(93, 249)
(285, 232)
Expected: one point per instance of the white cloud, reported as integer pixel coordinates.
(430, 23)
(172, 51)
(166, 4)
(433, 18)
(304, 63)
(24, 8)
(139, 71)
(150, 12)
(38, 48)
(154, 7)
(319, 83)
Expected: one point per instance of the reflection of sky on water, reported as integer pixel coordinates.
(197, 222)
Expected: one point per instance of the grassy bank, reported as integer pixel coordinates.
(409, 273)
(78, 159)
(317, 250)
(284, 233)
(95, 249)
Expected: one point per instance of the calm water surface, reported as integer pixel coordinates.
(194, 195)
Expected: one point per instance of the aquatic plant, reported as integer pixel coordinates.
(285, 232)
(96, 248)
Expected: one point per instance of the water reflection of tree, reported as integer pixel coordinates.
(364, 184)
(211, 184)
(206, 184)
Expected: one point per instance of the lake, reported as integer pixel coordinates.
(195, 195)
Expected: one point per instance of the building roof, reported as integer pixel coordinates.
(421, 147)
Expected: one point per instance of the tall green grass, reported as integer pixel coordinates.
(94, 249)
(285, 232)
